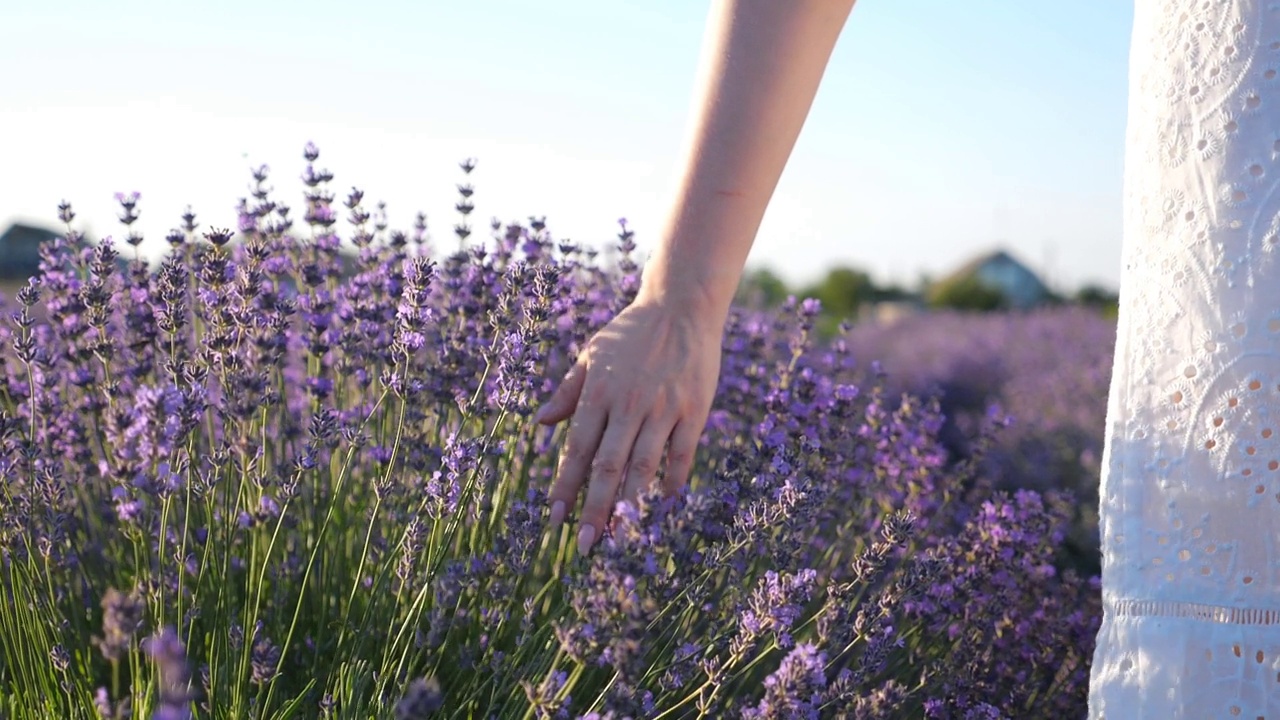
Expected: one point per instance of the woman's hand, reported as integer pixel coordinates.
(648, 377)
(645, 380)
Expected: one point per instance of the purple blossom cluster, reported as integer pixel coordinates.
(289, 473)
(1048, 369)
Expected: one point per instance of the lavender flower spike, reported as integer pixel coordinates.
(795, 690)
(421, 700)
(170, 657)
(121, 618)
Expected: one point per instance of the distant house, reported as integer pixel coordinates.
(20, 251)
(1001, 273)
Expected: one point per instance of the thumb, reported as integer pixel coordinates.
(565, 399)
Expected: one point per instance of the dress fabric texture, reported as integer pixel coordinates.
(1190, 492)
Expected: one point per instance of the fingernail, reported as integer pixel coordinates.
(541, 413)
(585, 536)
(557, 513)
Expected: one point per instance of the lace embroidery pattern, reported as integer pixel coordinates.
(1194, 416)
(1190, 493)
(1130, 607)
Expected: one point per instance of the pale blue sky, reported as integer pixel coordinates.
(942, 128)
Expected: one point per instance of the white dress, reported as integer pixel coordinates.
(1190, 494)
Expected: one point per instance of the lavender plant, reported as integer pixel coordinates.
(268, 479)
(1049, 369)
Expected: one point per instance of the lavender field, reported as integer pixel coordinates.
(1049, 371)
(264, 480)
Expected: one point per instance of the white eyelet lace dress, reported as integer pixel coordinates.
(1190, 494)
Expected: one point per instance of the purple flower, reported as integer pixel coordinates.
(774, 607)
(795, 689)
(422, 699)
(128, 509)
(324, 426)
(170, 657)
(122, 617)
(265, 660)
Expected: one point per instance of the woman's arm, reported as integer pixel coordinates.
(645, 382)
(762, 61)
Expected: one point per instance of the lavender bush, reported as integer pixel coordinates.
(265, 480)
(1049, 369)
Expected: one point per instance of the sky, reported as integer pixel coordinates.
(942, 129)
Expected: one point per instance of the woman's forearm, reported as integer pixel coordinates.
(762, 61)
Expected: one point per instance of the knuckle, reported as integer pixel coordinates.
(607, 466)
(680, 458)
(643, 467)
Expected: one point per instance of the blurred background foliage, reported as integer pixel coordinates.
(851, 294)
(975, 344)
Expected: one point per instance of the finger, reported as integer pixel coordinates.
(606, 476)
(680, 455)
(646, 456)
(584, 437)
(565, 399)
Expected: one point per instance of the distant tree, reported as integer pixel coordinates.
(924, 281)
(842, 291)
(1099, 298)
(893, 292)
(967, 293)
(762, 287)
(1095, 295)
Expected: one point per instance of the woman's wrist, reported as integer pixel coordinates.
(705, 294)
